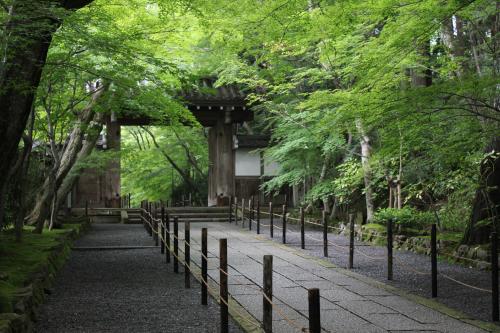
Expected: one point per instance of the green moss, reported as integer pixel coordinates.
(19, 260)
(375, 227)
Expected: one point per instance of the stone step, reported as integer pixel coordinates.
(175, 210)
(200, 215)
(201, 219)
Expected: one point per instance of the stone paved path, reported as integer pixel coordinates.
(349, 302)
(411, 270)
(124, 290)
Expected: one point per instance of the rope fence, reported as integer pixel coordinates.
(252, 216)
(153, 225)
(248, 214)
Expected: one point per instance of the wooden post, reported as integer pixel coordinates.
(252, 207)
(271, 219)
(86, 208)
(242, 213)
(267, 318)
(230, 209)
(389, 249)
(223, 292)
(187, 255)
(325, 233)
(302, 229)
(162, 227)
(129, 200)
(494, 277)
(161, 232)
(434, 260)
(284, 224)
(258, 216)
(314, 311)
(236, 210)
(167, 237)
(176, 244)
(155, 225)
(204, 266)
(250, 213)
(148, 217)
(351, 241)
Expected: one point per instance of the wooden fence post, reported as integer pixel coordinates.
(86, 208)
(267, 318)
(236, 210)
(325, 233)
(271, 219)
(223, 292)
(302, 229)
(187, 255)
(258, 216)
(351, 241)
(314, 311)
(252, 209)
(150, 219)
(284, 224)
(155, 225)
(242, 213)
(167, 237)
(250, 213)
(176, 244)
(494, 276)
(389, 249)
(434, 260)
(230, 209)
(162, 231)
(204, 267)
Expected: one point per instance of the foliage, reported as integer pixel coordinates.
(406, 217)
(147, 174)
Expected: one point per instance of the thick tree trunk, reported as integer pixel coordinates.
(46, 195)
(87, 148)
(486, 203)
(366, 150)
(28, 36)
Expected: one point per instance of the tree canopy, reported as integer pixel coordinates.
(371, 106)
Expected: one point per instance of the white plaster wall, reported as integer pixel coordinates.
(271, 168)
(247, 162)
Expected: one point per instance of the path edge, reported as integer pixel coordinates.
(32, 296)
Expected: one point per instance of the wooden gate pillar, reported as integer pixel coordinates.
(221, 163)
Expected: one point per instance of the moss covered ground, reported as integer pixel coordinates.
(19, 260)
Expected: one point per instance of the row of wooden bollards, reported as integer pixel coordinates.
(161, 235)
(389, 236)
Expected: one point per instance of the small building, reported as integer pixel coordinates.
(251, 166)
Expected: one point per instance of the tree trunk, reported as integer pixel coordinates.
(366, 149)
(28, 36)
(322, 176)
(43, 203)
(87, 148)
(486, 204)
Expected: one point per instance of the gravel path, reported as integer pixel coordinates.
(124, 290)
(473, 302)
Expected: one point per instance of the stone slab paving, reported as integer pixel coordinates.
(349, 303)
(124, 290)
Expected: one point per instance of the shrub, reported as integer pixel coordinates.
(405, 217)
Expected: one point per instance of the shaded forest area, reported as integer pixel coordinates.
(387, 107)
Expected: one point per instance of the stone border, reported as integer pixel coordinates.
(245, 320)
(29, 298)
